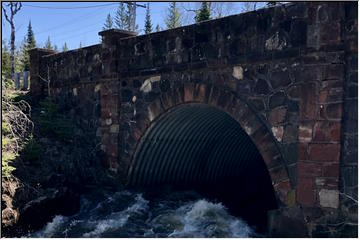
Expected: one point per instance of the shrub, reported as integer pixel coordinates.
(52, 123)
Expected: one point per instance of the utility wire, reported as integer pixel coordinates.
(65, 24)
(67, 8)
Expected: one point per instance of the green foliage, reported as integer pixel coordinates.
(5, 128)
(108, 23)
(120, 16)
(204, 13)
(52, 123)
(173, 19)
(31, 149)
(5, 59)
(6, 159)
(157, 29)
(65, 47)
(48, 44)
(28, 43)
(148, 24)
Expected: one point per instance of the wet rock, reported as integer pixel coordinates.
(287, 222)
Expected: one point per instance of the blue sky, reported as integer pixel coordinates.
(83, 24)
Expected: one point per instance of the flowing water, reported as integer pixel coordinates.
(134, 214)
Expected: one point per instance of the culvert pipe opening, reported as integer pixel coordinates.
(197, 146)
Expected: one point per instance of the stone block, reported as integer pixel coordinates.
(276, 100)
(309, 169)
(305, 132)
(277, 116)
(334, 111)
(324, 152)
(287, 223)
(290, 133)
(278, 132)
(305, 194)
(320, 131)
(329, 198)
(302, 151)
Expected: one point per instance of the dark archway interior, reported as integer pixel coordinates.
(200, 147)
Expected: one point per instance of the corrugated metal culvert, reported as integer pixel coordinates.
(192, 144)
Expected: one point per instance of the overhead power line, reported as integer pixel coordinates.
(67, 8)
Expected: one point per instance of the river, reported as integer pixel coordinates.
(147, 214)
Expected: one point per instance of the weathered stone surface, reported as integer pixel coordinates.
(329, 198)
(278, 99)
(296, 66)
(287, 222)
(277, 116)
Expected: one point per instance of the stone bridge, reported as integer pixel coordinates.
(265, 100)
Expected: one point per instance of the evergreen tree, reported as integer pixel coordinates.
(48, 44)
(173, 18)
(204, 13)
(128, 17)
(65, 47)
(27, 44)
(31, 43)
(158, 29)
(120, 17)
(80, 45)
(108, 23)
(24, 59)
(55, 47)
(148, 25)
(5, 59)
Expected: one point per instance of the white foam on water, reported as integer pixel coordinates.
(118, 219)
(207, 219)
(51, 228)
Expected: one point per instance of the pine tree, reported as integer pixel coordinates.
(48, 44)
(80, 45)
(27, 44)
(31, 43)
(204, 13)
(5, 59)
(173, 18)
(148, 25)
(128, 17)
(120, 17)
(24, 56)
(158, 29)
(65, 47)
(55, 48)
(108, 23)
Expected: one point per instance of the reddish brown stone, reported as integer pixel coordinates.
(331, 170)
(200, 92)
(282, 188)
(334, 111)
(277, 116)
(302, 151)
(308, 98)
(324, 152)
(271, 156)
(278, 174)
(188, 92)
(334, 131)
(320, 130)
(305, 194)
(308, 169)
(323, 96)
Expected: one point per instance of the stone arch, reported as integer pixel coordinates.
(227, 102)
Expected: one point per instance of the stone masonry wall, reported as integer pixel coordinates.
(295, 65)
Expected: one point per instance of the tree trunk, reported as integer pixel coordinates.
(12, 50)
